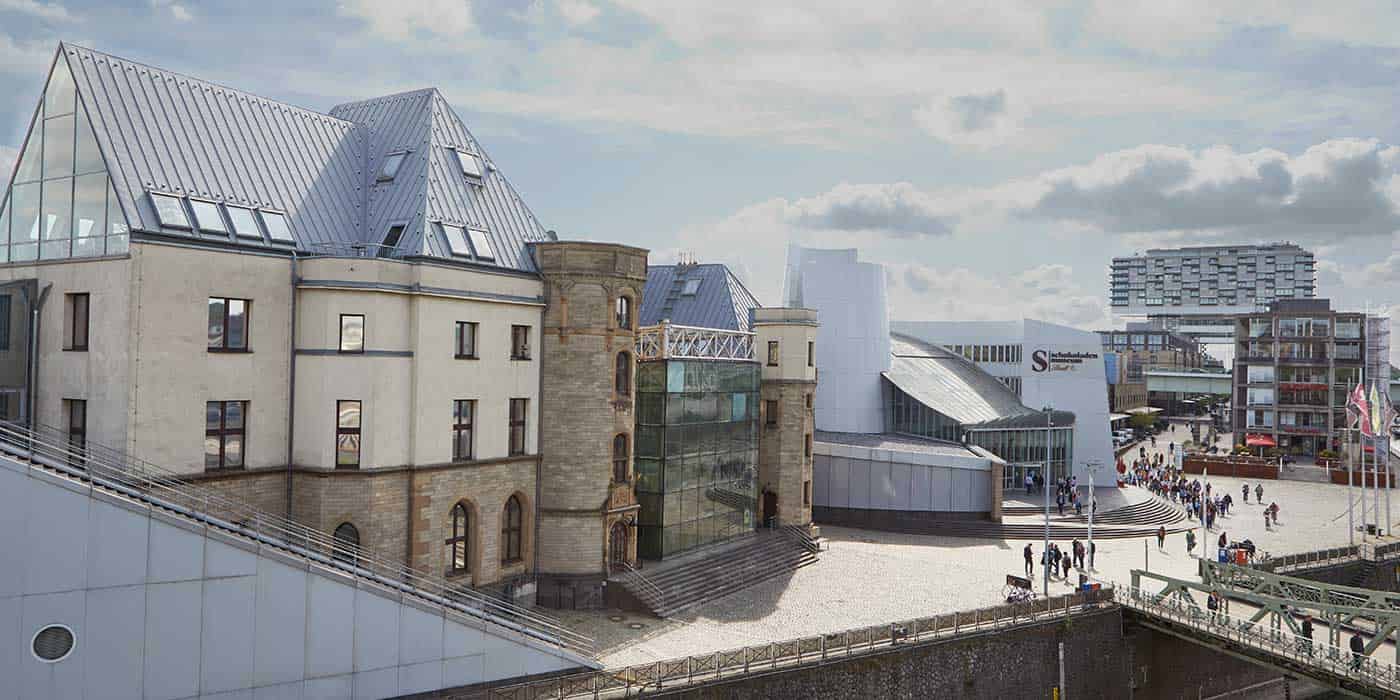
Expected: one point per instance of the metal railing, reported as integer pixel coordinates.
(635, 680)
(668, 340)
(1276, 642)
(106, 468)
(1321, 557)
(650, 589)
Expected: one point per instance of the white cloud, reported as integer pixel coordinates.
(899, 210)
(177, 10)
(981, 120)
(53, 12)
(25, 57)
(405, 21)
(1192, 25)
(920, 292)
(578, 12)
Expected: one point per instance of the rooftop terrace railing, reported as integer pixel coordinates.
(667, 341)
(111, 470)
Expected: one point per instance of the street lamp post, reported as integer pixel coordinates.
(1045, 557)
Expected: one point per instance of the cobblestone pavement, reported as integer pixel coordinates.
(868, 577)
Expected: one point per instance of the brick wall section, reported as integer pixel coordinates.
(265, 490)
(376, 503)
(484, 489)
(783, 464)
(580, 412)
(1101, 661)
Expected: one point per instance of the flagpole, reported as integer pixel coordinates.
(1351, 493)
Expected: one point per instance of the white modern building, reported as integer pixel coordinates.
(1048, 365)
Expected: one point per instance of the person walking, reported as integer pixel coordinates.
(1065, 565)
(1030, 561)
(1259, 493)
(1358, 648)
(1161, 536)
(1306, 638)
(1273, 508)
(1244, 490)
(1213, 605)
(1190, 541)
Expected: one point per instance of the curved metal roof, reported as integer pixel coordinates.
(957, 388)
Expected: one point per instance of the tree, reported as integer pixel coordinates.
(1142, 421)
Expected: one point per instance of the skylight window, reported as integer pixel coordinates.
(390, 169)
(170, 211)
(276, 225)
(245, 225)
(391, 241)
(480, 245)
(206, 217)
(471, 167)
(457, 240)
(691, 288)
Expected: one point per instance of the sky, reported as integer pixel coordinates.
(994, 159)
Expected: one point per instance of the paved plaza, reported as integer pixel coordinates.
(868, 577)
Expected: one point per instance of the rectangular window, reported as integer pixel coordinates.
(466, 340)
(347, 434)
(519, 342)
(228, 324)
(75, 326)
(390, 169)
(807, 492)
(170, 211)
(4, 320)
(352, 333)
(770, 413)
(75, 415)
(207, 218)
(456, 240)
(807, 447)
(811, 354)
(276, 225)
(518, 409)
(463, 420)
(772, 353)
(470, 166)
(481, 246)
(244, 224)
(224, 429)
(391, 241)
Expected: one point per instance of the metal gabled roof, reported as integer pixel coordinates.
(721, 300)
(165, 132)
(168, 132)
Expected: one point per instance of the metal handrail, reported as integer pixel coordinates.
(1322, 656)
(104, 467)
(635, 574)
(630, 681)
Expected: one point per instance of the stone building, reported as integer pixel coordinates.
(348, 318)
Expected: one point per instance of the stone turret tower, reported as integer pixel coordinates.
(785, 346)
(587, 507)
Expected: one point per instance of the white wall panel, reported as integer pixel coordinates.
(173, 625)
(420, 635)
(57, 534)
(227, 650)
(281, 691)
(376, 684)
(279, 654)
(859, 482)
(376, 632)
(329, 688)
(921, 488)
(330, 641)
(222, 559)
(902, 485)
(463, 670)
(420, 677)
(14, 513)
(117, 542)
(52, 681)
(941, 489)
(176, 554)
(116, 620)
(13, 641)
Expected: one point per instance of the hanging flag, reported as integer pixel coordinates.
(1377, 413)
(1358, 408)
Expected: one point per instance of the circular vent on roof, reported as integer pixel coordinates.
(53, 643)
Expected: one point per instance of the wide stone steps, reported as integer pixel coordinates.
(721, 572)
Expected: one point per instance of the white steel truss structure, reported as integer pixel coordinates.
(666, 341)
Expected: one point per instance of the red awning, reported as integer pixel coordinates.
(1259, 441)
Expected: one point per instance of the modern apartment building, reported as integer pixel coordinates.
(1196, 291)
(350, 318)
(1294, 365)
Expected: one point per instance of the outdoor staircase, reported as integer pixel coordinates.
(1363, 574)
(120, 475)
(714, 573)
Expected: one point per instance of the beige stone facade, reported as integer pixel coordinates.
(583, 413)
(784, 340)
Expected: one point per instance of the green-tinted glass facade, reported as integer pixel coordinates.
(696, 453)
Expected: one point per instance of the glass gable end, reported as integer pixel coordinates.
(61, 203)
(696, 453)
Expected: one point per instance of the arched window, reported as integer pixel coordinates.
(624, 374)
(512, 530)
(347, 542)
(624, 312)
(620, 455)
(459, 544)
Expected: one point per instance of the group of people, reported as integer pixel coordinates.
(1060, 563)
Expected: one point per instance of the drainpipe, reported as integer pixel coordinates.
(32, 399)
(291, 382)
(539, 452)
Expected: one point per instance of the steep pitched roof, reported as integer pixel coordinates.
(164, 132)
(719, 299)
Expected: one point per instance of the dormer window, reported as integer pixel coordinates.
(480, 245)
(207, 218)
(391, 241)
(390, 169)
(170, 211)
(244, 223)
(276, 225)
(691, 288)
(457, 240)
(468, 162)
